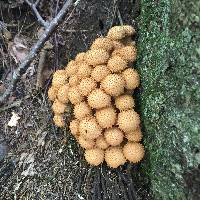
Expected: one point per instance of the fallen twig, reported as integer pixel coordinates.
(34, 50)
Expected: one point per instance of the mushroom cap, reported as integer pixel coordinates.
(84, 70)
(100, 72)
(116, 64)
(94, 156)
(80, 57)
(129, 30)
(116, 33)
(82, 110)
(114, 157)
(114, 136)
(124, 102)
(74, 95)
(97, 57)
(52, 93)
(73, 80)
(74, 127)
(85, 143)
(101, 142)
(132, 78)
(89, 128)
(134, 136)
(58, 107)
(59, 78)
(86, 86)
(99, 99)
(63, 94)
(58, 120)
(128, 120)
(117, 44)
(102, 43)
(106, 117)
(113, 84)
(71, 68)
(134, 152)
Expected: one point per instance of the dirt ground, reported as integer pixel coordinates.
(42, 161)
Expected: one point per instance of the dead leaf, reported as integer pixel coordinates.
(13, 120)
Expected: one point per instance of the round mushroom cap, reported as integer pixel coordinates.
(63, 94)
(101, 142)
(113, 84)
(114, 136)
(106, 117)
(73, 80)
(124, 102)
(58, 120)
(85, 143)
(80, 57)
(74, 127)
(100, 72)
(99, 99)
(52, 93)
(89, 128)
(102, 43)
(132, 79)
(116, 33)
(116, 64)
(59, 78)
(128, 120)
(134, 152)
(82, 110)
(129, 30)
(58, 107)
(84, 70)
(86, 86)
(74, 95)
(134, 136)
(94, 156)
(97, 57)
(114, 157)
(71, 68)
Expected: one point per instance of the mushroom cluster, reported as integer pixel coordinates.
(99, 84)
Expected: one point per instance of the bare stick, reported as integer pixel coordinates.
(34, 50)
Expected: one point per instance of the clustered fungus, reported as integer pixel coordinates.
(99, 83)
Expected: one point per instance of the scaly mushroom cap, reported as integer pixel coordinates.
(74, 95)
(117, 44)
(82, 110)
(52, 93)
(134, 136)
(74, 127)
(113, 84)
(85, 143)
(114, 136)
(58, 120)
(63, 94)
(134, 152)
(129, 30)
(89, 128)
(116, 64)
(106, 117)
(100, 72)
(101, 142)
(80, 57)
(86, 86)
(94, 156)
(71, 68)
(58, 107)
(102, 43)
(84, 70)
(59, 78)
(124, 102)
(132, 79)
(99, 99)
(128, 120)
(116, 33)
(114, 157)
(73, 80)
(97, 57)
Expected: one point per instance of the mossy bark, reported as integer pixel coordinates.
(169, 97)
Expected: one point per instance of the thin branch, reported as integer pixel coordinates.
(34, 50)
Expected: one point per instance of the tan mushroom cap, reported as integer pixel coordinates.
(52, 93)
(71, 68)
(102, 43)
(63, 94)
(86, 86)
(82, 110)
(97, 57)
(58, 107)
(84, 70)
(106, 117)
(114, 136)
(128, 120)
(124, 102)
(73, 80)
(134, 152)
(116, 64)
(89, 128)
(99, 99)
(117, 44)
(85, 143)
(80, 57)
(113, 84)
(94, 156)
(116, 33)
(114, 157)
(101, 142)
(74, 95)
(134, 136)
(100, 72)
(58, 120)
(74, 127)
(129, 30)
(59, 78)
(131, 77)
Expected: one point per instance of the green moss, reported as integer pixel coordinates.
(169, 65)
